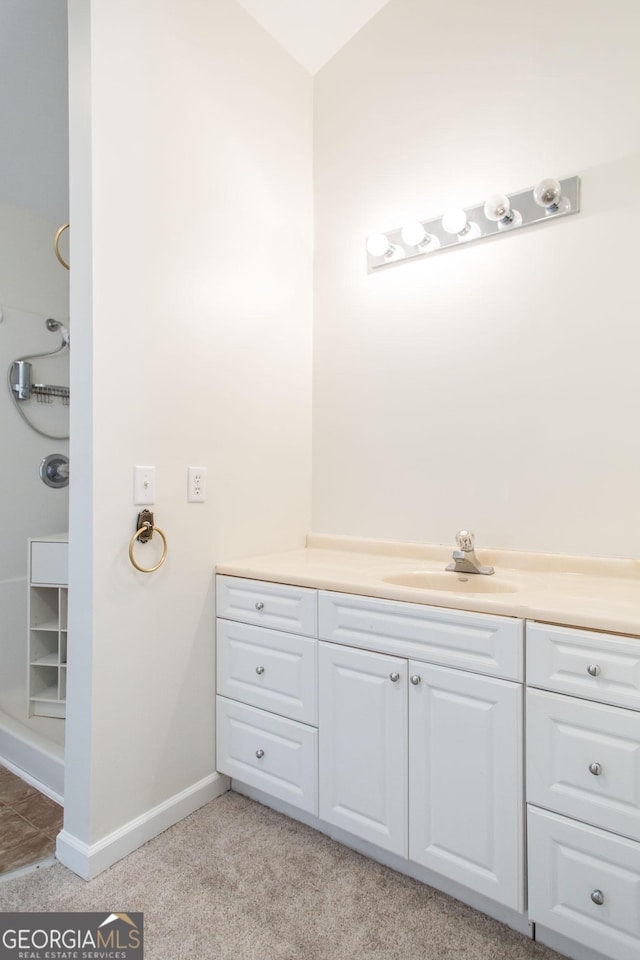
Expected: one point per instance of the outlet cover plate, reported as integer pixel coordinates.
(196, 484)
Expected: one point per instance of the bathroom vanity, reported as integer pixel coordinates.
(392, 717)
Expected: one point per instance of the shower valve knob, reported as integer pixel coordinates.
(54, 470)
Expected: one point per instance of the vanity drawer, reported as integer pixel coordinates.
(268, 669)
(583, 760)
(453, 638)
(274, 605)
(569, 865)
(267, 752)
(598, 666)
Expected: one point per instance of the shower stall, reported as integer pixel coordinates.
(34, 355)
(34, 505)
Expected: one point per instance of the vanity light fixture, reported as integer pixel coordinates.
(498, 215)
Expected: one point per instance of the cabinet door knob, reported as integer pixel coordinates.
(259, 754)
(259, 671)
(595, 768)
(593, 669)
(259, 605)
(394, 677)
(415, 679)
(598, 897)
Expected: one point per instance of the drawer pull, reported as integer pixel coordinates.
(259, 605)
(394, 677)
(260, 755)
(598, 897)
(415, 679)
(593, 670)
(259, 671)
(595, 768)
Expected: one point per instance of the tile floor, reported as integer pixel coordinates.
(29, 823)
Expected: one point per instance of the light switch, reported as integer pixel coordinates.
(144, 485)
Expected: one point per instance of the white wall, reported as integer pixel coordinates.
(34, 160)
(493, 387)
(33, 286)
(191, 163)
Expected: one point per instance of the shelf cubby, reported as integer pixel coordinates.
(47, 631)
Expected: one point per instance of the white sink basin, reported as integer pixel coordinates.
(452, 582)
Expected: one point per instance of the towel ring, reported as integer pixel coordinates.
(148, 530)
(56, 245)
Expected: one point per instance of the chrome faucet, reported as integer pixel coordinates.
(464, 558)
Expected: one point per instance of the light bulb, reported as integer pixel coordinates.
(454, 220)
(378, 245)
(413, 233)
(498, 210)
(548, 194)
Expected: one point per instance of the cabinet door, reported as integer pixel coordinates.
(465, 783)
(363, 744)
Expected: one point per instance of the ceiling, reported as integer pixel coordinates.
(313, 31)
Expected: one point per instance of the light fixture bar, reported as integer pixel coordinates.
(523, 209)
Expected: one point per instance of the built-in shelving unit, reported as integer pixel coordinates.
(47, 616)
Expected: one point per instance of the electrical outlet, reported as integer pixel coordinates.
(196, 484)
(144, 485)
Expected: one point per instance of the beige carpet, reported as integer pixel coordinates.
(236, 881)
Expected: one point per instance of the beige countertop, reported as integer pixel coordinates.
(592, 592)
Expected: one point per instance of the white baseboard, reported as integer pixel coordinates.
(563, 945)
(88, 860)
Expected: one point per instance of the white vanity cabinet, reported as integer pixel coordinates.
(396, 723)
(583, 788)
